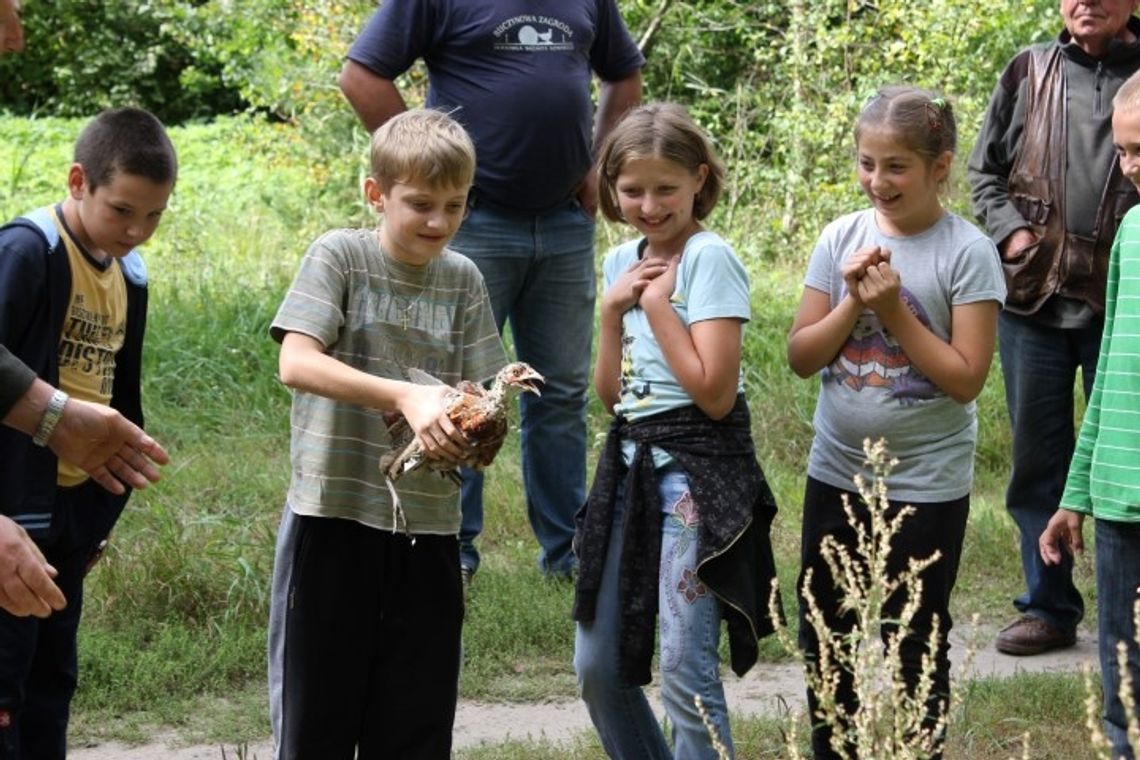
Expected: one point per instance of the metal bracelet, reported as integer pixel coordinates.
(51, 418)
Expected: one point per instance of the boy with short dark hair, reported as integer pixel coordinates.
(367, 603)
(1104, 480)
(73, 297)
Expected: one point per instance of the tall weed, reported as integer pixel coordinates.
(889, 717)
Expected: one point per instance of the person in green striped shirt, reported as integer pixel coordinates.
(1104, 476)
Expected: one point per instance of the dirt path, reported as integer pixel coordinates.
(765, 690)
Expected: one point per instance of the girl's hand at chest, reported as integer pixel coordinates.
(623, 294)
(856, 265)
(627, 290)
(662, 286)
(879, 289)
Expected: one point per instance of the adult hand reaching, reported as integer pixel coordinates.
(96, 438)
(107, 446)
(26, 586)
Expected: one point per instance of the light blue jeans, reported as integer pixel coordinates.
(689, 632)
(1117, 579)
(540, 275)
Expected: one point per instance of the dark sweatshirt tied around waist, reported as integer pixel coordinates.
(734, 553)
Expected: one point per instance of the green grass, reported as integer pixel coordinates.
(174, 629)
(997, 713)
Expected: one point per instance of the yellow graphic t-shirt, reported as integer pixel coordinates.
(94, 328)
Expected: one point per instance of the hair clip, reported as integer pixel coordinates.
(934, 114)
(939, 103)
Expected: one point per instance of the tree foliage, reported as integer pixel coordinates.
(776, 82)
(85, 55)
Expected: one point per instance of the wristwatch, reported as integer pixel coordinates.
(51, 418)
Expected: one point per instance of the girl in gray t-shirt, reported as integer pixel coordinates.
(898, 318)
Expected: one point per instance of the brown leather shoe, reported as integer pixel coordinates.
(1031, 635)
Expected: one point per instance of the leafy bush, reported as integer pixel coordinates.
(776, 83)
(86, 55)
(779, 83)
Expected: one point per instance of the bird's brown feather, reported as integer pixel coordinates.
(480, 414)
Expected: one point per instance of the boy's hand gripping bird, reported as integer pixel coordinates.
(481, 415)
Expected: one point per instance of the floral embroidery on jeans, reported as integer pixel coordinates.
(685, 510)
(684, 516)
(678, 554)
(690, 586)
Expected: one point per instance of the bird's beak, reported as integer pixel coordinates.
(527, 382)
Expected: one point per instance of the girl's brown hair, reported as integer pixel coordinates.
(658, 130)
(921, 120)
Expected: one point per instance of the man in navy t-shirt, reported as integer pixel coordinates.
(517, 74)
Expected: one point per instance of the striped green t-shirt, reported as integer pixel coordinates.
(383, 317)
(1104, 477)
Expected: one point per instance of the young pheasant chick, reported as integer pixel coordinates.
(480, 413)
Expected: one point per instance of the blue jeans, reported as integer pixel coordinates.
(689, 629)
(1040, 364)
(1117, 579)
(539, 271)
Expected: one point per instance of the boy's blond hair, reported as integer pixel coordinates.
(1127, 98)
(423, 145)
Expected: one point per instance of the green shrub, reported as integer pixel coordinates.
(86, 55)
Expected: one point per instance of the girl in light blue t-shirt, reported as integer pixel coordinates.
(675, 531)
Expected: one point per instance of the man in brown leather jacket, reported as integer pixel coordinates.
(1046, 186)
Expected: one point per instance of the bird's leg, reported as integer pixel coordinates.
(399, 519)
